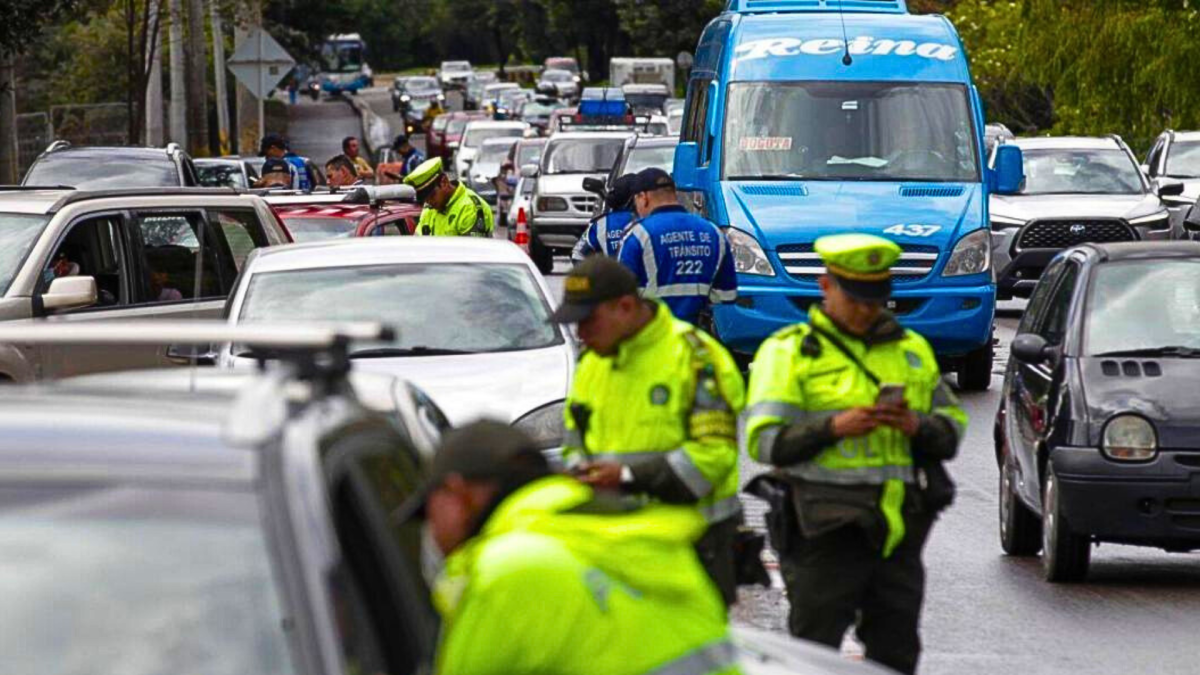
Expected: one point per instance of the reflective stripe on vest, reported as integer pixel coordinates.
(711, 658)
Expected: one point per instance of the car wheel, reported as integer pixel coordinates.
(542, 256)
(975, 371)
(1020, 529)
(1065, 554)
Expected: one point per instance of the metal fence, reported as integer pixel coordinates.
(93, 124)
(34, 133)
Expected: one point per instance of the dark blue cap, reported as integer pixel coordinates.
(651, 179)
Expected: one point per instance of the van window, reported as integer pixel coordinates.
(697, 111)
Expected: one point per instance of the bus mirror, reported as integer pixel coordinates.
(1010, 170)
(687, 177)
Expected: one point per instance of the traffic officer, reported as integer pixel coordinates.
(450, 208)
(677, 256)
(604, 232)
(852, 412)
(542, 575)
(275, 146)
(653, 407)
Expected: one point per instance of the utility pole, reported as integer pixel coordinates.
(154, 94)
(218, 35)
(178, 117)
(247, 104)
(197, 81)
(8, 122)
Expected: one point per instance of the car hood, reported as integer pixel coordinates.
(764, 653)
(1167, 400)
(780, 212)
(503, 386)
(564, 183)
(1028, 207)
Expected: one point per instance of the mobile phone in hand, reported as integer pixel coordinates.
(891, 395)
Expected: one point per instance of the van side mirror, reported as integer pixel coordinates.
(529, 171)
(70, 293)
(1030, 348)
(686, 170)
(1169, 188)
(1010, 170)
(594, 185)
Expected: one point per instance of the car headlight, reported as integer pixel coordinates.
(544, 425)
(406, 98)
(1154, 221)
(551, 204)
(972, 255)
(441, 97)
(1005, 222)
(748, 254)
(1129, 438)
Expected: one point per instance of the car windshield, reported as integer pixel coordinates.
(662, 157)
(98, 173)
(476, 137)
(646, 101)
(316, 229)
(342, 57)
(494, 153)
(218, 174)
(1144, 304)
(18, 233)
(539, 109)
(869, 131)
(421, 85)
(456, 126)
(558, 76)
(138, 581)
(582, 156)
(1184, 160)
(1089, 172)
(568, 65)
(455, 307)
(456, 66)
(528, 154)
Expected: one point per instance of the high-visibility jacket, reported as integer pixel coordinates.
(665, 404)
(465, 215)
(556, 583)
(680, 258)
(800, 377)
(603, 235)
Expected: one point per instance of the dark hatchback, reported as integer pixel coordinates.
(1098, 432)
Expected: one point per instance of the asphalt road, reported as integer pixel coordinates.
(985, 613)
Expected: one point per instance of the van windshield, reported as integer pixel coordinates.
(869, 131)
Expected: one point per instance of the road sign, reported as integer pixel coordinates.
(259, 62)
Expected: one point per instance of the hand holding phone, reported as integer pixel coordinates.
(891, 395)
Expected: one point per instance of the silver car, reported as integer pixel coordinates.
(1077, 190)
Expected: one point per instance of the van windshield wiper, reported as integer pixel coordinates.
(771, 176)
(398, 352)
(1175, 351)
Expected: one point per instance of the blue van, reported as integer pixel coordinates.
(814, 117)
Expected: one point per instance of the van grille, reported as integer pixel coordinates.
(931, 190)
(803, 264)
(774, 190)
(1058, 234)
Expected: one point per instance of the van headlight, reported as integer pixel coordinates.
(544, 425)
(972, 255)
(1129, 438)
(748, 254)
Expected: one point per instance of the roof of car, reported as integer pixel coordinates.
(1067, 143)
(108, 151)
(35, 201)
(506, 142)
(1187, 135)
(386, 250)
(490, 124)
(590, 135)
(1147, 250)
(49, 201)
(655, 141)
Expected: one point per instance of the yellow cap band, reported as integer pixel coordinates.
(858, 276)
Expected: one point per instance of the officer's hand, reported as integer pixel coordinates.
(602, 475)
(898, 417)
(854, 422)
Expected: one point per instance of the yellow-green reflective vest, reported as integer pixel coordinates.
(673, 389)
(787, 386)
(465, 215)
(548, 587)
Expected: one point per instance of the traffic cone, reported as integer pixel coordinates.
(521, 236)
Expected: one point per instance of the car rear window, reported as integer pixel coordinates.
(92, 172)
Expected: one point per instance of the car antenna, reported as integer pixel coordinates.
(846, 58)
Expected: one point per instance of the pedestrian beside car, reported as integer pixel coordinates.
(341, 172)
(851, 410)
(544, 575)
(604, 233)
(275, 146)
(677, 256)
(350, 148)
(451, 209)
(653, 407)
(410, 158)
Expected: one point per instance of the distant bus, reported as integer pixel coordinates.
(344, 64)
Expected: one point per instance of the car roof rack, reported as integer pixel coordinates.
(87, 195)
(60, 144)
(19, 188)
(784, 6)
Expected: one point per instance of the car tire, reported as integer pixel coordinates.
(1065, 553)
(975, 371)
(542, 256)
(1020, 528)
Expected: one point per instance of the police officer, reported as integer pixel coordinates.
(450, 208)
(652, 409)
(677, 256)
(275, 146)
(604, 232)
(410, 156)
(851, 411)
(544, 576)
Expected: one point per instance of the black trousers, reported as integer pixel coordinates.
(839, 578)
(716, 551)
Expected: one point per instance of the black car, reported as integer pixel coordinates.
(1098, 431)
(100, 168)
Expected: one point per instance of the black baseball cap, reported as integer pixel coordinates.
(481, 450)
(272, 141)
(274, 165)
(651, 179)
(621, 193)
(401, 139)
(595, 280)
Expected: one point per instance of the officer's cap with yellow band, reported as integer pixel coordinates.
(861, 263)
(425, 176)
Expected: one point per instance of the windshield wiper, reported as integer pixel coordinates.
(1175, 351)
(773, 176)
(396, 352)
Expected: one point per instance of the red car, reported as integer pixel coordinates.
(335, 220)
(447, 130)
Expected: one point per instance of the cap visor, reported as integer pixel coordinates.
(573, 312)
(867, 291)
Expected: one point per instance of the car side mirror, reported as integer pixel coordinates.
(1009, 173)
(192, 355)
(1145, 168)
(594, 185)
(1030, 348)
(70, 293)
(529, 171)
(686, 170)
(1169, 188)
